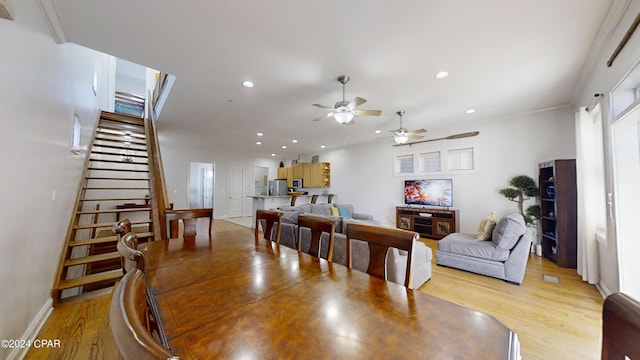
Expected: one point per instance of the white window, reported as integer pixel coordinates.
(460, 159)
(76, 130)
(404, 164)
(430, 162)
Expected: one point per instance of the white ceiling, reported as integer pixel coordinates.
(504, 57)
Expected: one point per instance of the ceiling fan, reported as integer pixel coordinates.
(401, 135)
(344, 111)
(450, 137)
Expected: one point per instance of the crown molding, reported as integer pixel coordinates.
(51, 14)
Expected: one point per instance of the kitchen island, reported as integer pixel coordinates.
(263, 202)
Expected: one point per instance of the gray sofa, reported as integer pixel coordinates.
(504, 256)
(396, 259)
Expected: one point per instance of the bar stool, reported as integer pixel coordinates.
(329, 198)
(314, 198)
(293, 200)
(270, 217)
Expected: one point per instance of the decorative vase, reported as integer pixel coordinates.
(281, 164)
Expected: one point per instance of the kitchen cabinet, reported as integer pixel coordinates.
(315, 175)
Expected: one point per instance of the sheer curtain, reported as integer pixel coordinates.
(588, 156)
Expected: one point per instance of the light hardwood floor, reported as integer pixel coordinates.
(553, 321)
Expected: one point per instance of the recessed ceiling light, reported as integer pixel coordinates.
(273, 154)
(441, 74)
(378, 131)
(259, 134)
(322, 146)
(258, 142)
(294, 141)
(284, 146)
(247, 84)
(470, 111)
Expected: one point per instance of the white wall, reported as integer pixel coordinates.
(177, 157)
(42, 85)
(362, 174)
(603, 79)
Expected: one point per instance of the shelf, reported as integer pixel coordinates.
(438, 224)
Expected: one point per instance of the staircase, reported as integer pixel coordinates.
(116, 184)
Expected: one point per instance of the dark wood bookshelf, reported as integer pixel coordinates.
(558, 203)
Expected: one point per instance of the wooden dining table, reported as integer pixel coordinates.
(229, 297)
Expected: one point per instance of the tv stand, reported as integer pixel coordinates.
(428, 222)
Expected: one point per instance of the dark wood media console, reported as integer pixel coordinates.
(428, 222)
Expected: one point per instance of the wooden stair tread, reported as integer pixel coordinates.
(123, 147)
(123, 170)
(120, 132)
(118, 140)
(120, 162)
(116, 188)
(97, 152)
(114, 178)
(92, 258)
(112, 211)
(114, 199)
(119, 117)
(106, 239)
(109, 224)
(89, 279)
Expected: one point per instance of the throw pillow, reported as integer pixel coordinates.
(508, 231)
(486, 227)
(343, 212)
(335, 211)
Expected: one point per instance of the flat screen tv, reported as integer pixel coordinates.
(434, 192)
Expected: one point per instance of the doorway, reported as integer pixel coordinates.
(626, 177)
(236, 186)
(201, 186)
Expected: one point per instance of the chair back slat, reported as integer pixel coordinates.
(317, 225)
(270, 219)
(380, 240)
(189, 218)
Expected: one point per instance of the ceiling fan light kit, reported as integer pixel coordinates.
(402, 135)
(344, 111)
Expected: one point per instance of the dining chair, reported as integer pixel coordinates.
(620, 327)
(318, 226)
(136, 328)
(189, 218)
(132, 258)
(380, 240)
(269, 218)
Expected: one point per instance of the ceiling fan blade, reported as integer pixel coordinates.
(322, 106)
(419, 131)
(329, 115)
(450, 137)
(414, 136)
(368, 112)
(357, 101)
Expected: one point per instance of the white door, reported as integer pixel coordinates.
(236, 184)
(626, 179)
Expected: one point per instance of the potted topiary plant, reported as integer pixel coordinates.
(523, 188)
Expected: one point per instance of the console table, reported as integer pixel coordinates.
(428, 222)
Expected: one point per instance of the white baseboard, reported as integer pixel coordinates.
(603, 289)
(32, 331)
